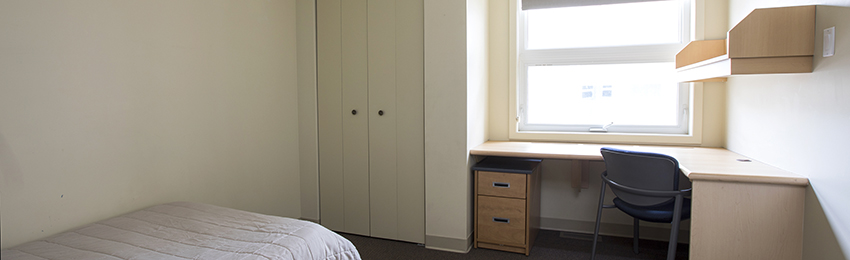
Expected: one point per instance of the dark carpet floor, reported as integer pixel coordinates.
(549, 245)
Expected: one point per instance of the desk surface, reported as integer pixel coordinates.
(698, 163)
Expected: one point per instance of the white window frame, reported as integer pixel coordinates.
(601, 55)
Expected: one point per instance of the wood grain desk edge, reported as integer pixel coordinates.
(782, 180)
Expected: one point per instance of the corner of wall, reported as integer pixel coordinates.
(307, 103)
(449, 244)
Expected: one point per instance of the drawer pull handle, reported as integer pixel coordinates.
(501, 220)
(501, 184)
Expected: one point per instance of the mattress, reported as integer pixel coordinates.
(185, 230)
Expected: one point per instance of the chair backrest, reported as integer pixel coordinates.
(648, 171)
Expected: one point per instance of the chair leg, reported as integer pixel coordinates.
(636, 235)
(674, 231)
(598, 220)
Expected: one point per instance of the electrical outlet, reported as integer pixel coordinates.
(829, 41)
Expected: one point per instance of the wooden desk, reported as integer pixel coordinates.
(742, 208)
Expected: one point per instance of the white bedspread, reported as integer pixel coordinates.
(184, 230)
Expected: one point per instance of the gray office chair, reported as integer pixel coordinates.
(647, 188)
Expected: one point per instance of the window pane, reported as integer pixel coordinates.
(625, 94)
(655, 22)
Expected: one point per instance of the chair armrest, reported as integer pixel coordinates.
(644, 192)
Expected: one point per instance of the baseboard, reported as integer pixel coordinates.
(613, 229)
(457, 245)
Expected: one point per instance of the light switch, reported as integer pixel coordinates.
(829, 41)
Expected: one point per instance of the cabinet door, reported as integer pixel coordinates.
(343, 133)
(396, 125)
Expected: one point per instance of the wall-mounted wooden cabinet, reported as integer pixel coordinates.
(769, 40)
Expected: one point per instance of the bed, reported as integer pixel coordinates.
(185, 230)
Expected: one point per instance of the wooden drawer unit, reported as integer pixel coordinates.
(507, 203)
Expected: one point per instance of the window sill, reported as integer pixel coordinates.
(618, 138)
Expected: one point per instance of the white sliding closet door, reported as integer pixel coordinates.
(371, 163)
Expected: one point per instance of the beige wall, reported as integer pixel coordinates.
(499, 51)
(478, 71)
(799, 122)
(447, 182)
(110, 106)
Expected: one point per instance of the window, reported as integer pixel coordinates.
(603, 68)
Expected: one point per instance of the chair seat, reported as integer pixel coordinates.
(656, 213)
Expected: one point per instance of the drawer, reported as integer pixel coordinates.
(502, 184)
(501, 220)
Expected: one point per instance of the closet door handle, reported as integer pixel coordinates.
(354, 111)
(380, 112)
